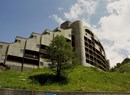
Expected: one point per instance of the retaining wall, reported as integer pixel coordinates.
(29, 92)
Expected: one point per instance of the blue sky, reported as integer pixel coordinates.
(109, 20)
(21, 17)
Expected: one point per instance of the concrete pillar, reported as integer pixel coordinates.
(78, 31)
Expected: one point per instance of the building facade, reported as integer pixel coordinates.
(25, 53)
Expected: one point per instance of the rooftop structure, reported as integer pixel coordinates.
(24, 53)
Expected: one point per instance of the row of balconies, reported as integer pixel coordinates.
(95, 60)
(31, 56)
(96, 63)
(92, 38)
(94, 51)
(93, 42)
(95, 54)
(93, 48)
(92, 56)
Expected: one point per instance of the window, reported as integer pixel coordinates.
(1, 46)
(18, 41)
(89, 32)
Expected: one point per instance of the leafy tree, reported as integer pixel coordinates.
(60, 53)
(122, 67)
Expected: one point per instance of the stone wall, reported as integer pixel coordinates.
(29, 92)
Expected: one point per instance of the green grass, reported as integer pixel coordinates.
(79, 78)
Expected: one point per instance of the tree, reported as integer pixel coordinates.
(60, 53)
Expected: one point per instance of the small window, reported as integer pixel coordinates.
(100, 50)
(18, 41)
(69, 35)
(22, 51)
(1, 46)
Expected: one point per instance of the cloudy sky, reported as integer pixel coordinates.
(109, 19)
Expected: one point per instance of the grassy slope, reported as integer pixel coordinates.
(123, 67)
(79, 79)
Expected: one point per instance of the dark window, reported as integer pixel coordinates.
(18, 41)
(1, 46)
(73, 41)
(89, 32)
(69, 35)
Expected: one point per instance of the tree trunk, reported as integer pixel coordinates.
(58, 70)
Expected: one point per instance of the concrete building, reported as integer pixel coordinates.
(24, 53)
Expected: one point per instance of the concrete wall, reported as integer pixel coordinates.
(33, 43)
(29, 92)
(17, 48)
(79, 32)
(17, 66)
(65, 32)
(3, 50)
(47, 37)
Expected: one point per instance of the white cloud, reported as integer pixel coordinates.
(57, 19)
(112, 29)
(60, 9)
(81, 9)
(115, 28)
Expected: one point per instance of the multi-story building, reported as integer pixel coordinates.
(25, 53)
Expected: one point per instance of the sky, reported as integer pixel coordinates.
(109, 20)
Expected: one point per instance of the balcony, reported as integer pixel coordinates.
(43, 51)
(32, 57)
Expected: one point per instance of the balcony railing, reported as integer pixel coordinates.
(34, 57)
(43, 51)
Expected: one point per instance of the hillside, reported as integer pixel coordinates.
(123, 67)
(79, 78)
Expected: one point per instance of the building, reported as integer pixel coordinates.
(25, 53)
